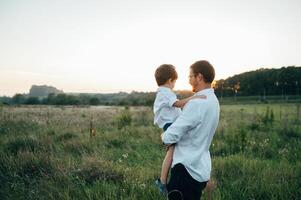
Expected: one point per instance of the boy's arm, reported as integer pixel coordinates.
(181, 103)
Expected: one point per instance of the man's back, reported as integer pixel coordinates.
(193, 132)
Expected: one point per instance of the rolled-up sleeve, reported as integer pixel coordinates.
(165, 100)
(190, 118)
(171, 99)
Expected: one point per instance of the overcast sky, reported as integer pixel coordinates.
(110, 46)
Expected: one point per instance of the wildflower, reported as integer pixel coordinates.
(125, 155)
(142, 186)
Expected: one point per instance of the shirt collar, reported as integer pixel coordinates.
(164, 89)
(205, 91)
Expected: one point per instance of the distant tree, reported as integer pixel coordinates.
(50, 100)
(5, 100)
(94, 101)
(72, 100)
(61, 99)
(181, 94)
(236, 88)
(84, 99)
(32, 101)
(64, 99)
(18, 99)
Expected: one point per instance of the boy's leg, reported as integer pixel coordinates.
(166, 164)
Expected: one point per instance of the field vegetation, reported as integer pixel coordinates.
(106, 152)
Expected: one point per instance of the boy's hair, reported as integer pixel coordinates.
(164, 73)
(205, 68)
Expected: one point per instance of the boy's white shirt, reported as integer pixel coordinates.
(193, 132)
(164, 111)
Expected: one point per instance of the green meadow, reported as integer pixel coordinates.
(103, 152)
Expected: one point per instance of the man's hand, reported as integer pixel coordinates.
(166, 145)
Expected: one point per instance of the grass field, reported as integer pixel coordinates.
(49, 152)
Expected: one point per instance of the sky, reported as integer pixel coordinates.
(108, 46)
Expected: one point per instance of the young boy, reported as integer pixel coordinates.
(166, 111)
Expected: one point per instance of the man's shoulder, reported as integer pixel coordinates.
(195, 103)
(202, 102)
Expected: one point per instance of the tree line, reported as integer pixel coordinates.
(263, 82)
(132, 99)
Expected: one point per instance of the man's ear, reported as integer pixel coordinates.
(200, 77)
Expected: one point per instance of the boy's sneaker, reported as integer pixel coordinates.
(161, 186)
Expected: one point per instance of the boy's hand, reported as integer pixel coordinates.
(162, 136)
(200, 97)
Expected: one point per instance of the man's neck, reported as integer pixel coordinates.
(203, 87)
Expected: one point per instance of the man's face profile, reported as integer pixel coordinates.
(192, 80)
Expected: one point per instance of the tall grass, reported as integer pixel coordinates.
(49, 153)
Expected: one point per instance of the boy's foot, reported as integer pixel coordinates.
(161, 186)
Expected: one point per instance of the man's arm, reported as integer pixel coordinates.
(181, 103)
(189, 118)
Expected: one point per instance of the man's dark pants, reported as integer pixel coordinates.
(182, 186)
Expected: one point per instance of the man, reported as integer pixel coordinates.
(192, 133)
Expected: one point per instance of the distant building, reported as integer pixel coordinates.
(42, 91)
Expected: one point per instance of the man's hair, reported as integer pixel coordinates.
(205, 68)
(164, 73)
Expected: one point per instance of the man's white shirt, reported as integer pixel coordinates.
(193, 132)
(164, 111)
